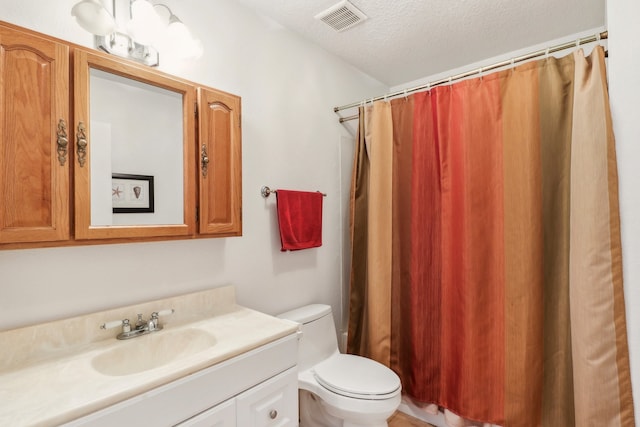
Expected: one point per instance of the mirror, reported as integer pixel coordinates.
(135, 150)
(136, 145)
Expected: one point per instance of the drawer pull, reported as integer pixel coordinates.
(273, 414)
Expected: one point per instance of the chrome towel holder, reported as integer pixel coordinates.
(266, 192)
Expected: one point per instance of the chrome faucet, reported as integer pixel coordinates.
(142, 326)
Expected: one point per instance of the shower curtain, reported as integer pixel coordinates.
(486, 258)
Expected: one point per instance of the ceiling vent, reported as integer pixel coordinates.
(342, 16)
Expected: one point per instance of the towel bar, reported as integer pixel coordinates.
(266, 192)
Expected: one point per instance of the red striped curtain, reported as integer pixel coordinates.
(486, 258)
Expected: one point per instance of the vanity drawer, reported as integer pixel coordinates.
(222, 415)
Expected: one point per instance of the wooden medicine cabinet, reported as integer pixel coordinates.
(144, 155)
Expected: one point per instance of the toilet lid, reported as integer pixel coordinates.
(356, 376)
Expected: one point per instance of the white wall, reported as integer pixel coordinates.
(507, 56)
(624, 93)
(291, 139)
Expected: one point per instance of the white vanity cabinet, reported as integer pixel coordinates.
(273, 403)
(256, 388)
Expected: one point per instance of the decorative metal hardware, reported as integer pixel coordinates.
(204, 160)
(63, 142)
(82, 144)
(273, 414)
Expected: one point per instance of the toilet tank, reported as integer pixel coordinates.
(319, 339)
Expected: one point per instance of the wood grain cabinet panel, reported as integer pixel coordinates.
(34, 138)
(220, 163)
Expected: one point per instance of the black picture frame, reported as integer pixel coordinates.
(132, 193)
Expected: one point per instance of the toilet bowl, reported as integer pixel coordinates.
(339, 390)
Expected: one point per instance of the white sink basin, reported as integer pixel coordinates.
(152, 351)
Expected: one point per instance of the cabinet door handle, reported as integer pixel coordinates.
(81, 142)
(273, 414)
(204, 160)
(62, 141)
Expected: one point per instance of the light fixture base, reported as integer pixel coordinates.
(122, 45)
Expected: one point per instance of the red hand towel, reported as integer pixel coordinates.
(300, 219)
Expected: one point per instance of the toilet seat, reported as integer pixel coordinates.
(356, 377)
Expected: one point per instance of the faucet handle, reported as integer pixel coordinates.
(115, 324)
(153, 322)
(163, 312)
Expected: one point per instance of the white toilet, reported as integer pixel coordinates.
(339, 390)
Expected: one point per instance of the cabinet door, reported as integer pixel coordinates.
(271, 403)
(134, 168)
(220, 170)
(222, 415)
(34, 115)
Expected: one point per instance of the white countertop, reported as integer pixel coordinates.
(62, 386)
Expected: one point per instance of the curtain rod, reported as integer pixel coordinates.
(594, 38)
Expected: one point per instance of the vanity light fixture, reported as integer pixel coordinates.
(144, 35)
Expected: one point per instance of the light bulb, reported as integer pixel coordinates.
(178, 32)
(93, 17)
(179, 41)
(145, 25)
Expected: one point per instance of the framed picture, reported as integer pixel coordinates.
(132, 193)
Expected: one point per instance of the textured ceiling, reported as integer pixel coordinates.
(404, 40)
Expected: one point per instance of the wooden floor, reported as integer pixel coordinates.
(400, 419)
